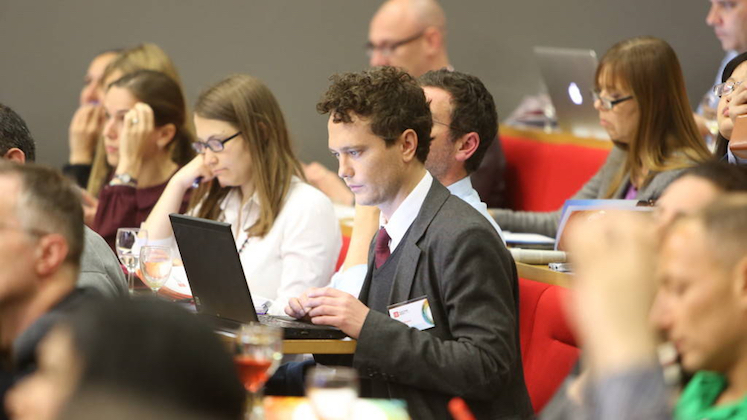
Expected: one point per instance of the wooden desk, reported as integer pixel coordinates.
(543, 274)
(304, 346)
(319, 346)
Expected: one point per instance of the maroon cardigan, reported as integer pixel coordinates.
(123, 206)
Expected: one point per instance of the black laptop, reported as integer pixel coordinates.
(217, 281)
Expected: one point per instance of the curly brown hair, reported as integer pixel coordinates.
(388, 97)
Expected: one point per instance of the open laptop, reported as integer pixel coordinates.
(569, 78)
(217, 280)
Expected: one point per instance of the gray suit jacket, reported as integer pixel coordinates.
(453, 256)
(99, 267)
(546, 223)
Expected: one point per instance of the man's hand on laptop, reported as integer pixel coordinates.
(328, 306)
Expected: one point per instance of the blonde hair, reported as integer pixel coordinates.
(666, 137)
(248, 104)
(140, 57)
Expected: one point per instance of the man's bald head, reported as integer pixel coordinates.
(410, 34)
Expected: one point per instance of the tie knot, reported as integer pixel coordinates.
(381, 251)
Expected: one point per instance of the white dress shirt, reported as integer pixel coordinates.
(351, 280)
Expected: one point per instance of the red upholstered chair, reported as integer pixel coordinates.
(541, 175)
(343, 252)
(548, 347)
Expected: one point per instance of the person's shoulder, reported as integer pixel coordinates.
(457, 218)
(301, 192)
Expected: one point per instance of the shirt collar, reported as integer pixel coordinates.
(229, 207)
(406, 213)
(461, 188)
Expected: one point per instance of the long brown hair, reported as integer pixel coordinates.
(666, 137)
(247, 104)
(143, 56)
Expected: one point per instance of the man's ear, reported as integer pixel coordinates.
(409, 144)
(15, 154)
(51, 252)
(164, 135)
(434, 39)
(466, 146)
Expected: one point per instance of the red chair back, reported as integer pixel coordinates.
(548, 346)
(540, 176)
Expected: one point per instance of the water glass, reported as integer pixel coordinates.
(155, 265)
(332, 391)
(128, 244)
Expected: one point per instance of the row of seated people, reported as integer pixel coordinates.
(180, 183)
(145, 169)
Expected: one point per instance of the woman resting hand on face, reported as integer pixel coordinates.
(146, 140)
(286, 232)
(732, 93)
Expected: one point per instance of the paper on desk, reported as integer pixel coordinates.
(177, 287)
(527, 238)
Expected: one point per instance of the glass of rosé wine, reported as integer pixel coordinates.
(259, 349)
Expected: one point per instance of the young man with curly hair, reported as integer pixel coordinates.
(438, 312)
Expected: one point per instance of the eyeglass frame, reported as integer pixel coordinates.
(388, 50)
(732, 85)
(217, 145)
(449, 126)
(608, 104)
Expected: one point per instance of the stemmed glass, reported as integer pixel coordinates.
(332, 391)
(128, 243)
(259, 349)
(155, 264)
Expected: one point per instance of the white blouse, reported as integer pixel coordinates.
(300, 250)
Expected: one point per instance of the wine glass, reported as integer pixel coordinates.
(257, 355)
(332, 391)
(128, 243)
(155, 264)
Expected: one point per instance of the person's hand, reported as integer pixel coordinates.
(737, 102)
(137, 129)
(328, 306)
(614, 259)
(196, 168)
(84, 132)
(329, 183)
(90, 206)
(298, 307)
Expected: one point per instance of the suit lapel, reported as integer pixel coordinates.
(404, 276)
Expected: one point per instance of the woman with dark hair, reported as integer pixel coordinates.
(643, 106)
(286, 232)
(146, 350)
(732, 103)
(146, 141)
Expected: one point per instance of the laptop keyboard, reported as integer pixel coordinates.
(288, 322)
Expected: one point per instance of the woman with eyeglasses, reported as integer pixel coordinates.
(732, 103)
(146, 140)
(642, 103)
(286, 232)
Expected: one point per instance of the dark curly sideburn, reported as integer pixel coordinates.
(388, 97)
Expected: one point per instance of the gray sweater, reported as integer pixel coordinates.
(546, 223)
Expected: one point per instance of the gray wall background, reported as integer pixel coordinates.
(294, 45)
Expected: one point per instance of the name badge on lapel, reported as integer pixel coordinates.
(415, 313)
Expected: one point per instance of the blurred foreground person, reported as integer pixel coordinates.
(147, 350)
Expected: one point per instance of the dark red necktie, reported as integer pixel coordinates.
(381, 251)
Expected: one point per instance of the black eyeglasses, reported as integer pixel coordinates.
(388, 49)
(214, 145)
(608, 104)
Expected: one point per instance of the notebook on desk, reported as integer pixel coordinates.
(569, 77)
(218, 284)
